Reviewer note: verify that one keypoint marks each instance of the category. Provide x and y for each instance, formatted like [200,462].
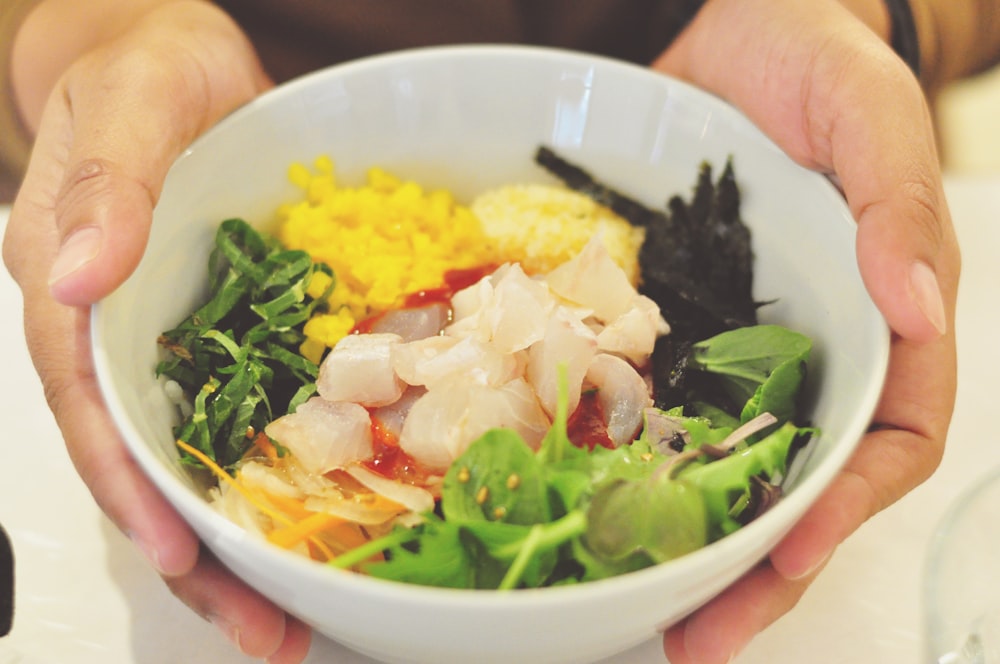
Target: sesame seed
[463,475]
[513,481]
[482,495]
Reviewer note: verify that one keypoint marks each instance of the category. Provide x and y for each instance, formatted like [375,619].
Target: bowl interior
[469,118]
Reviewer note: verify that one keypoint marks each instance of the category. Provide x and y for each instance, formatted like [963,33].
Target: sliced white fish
[568,343]
[411,360]
[591,279]
[391,416]
[466,305]
[443,422]
[634,333]
[413,323]
[507,309]
[622,393]
[359,369]
[519,310]
[324,435]
[435,359]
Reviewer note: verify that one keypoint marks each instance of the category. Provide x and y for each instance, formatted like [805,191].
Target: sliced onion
[413,498]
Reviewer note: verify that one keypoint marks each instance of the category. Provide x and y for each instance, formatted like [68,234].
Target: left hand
[835,97]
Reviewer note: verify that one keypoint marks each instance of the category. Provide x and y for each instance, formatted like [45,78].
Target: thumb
[114,125]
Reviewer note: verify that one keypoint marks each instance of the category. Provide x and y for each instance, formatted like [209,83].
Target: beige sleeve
[15,139]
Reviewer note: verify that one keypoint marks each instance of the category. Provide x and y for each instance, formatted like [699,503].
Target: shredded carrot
[314,523]
[249,495]
[350,536]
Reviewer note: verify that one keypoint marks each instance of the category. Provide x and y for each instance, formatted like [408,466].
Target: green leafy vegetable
[658,515]
[499,479]
[761,367]
[238,351]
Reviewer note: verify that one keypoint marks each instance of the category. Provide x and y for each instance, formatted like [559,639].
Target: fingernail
[228,629]
[148,552]
[78,249]
[927,294]
[809,570]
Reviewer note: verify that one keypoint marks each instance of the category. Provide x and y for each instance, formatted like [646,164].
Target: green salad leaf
[760,366]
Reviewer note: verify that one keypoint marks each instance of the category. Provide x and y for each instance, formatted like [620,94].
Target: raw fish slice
[633,334]
[324,435]
[391,416]
[569,343]
[507,309]
[435,359]
[413,323]
[519,310]
[623,395]
[358,369]
[443,422]
[593,280]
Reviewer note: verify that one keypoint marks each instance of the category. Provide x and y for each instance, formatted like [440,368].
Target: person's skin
[817,77]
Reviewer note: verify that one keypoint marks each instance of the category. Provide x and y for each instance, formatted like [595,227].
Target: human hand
[830,92]
[115,122]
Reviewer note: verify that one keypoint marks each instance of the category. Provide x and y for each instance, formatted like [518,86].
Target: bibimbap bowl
[467,119]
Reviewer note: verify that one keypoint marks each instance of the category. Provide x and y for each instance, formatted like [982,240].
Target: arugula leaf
[726,482]
[529,553]
[439,558]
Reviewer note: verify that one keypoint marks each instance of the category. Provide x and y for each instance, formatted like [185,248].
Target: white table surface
[85,596]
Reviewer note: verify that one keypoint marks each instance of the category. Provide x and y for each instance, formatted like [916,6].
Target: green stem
[524,555]
[359,554]
[541,537]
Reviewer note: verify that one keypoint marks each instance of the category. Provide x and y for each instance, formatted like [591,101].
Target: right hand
[113,125]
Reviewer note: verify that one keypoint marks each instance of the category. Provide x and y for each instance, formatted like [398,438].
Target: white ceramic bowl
[467,118]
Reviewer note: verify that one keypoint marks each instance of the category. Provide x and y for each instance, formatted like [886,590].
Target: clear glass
[962,583]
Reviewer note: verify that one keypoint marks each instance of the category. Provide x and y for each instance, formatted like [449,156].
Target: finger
[255,626]
[745,609]
[295,647]
[54,334]
[821,97]
[118,119]
[904,448]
